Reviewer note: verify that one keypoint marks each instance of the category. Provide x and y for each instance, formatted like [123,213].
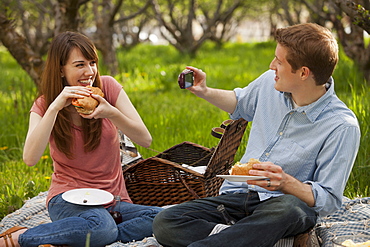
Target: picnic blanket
[351,219]
[34,213]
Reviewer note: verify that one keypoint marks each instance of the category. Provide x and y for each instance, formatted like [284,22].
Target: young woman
[84,149]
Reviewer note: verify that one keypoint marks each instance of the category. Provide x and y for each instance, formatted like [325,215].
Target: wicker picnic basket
[163,180]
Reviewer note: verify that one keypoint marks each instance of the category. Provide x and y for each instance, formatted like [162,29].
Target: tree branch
[359,15]
[140,11]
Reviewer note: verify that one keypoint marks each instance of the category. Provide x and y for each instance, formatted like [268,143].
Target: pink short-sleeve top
[101,168]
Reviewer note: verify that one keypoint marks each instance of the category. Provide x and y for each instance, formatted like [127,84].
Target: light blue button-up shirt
[317,143]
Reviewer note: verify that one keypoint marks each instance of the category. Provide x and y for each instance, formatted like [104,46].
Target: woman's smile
[86,82]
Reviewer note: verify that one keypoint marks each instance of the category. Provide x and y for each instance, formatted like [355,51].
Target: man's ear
[305,73]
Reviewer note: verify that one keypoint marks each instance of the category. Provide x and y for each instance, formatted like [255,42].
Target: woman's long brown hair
[52,85]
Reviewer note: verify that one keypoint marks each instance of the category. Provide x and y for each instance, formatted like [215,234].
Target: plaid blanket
[351,219]
[34,213]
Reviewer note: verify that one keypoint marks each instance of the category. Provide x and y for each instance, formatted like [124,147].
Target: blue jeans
[257,223]
[72,223]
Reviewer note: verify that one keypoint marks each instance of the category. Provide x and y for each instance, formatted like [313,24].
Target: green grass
[149,75]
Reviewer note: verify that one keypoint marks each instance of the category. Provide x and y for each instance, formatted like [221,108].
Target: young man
[304,136]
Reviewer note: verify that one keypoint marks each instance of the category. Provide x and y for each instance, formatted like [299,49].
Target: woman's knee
[103,235]
[101,226]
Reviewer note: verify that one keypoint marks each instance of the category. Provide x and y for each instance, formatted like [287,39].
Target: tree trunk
[66,19]
[105,45]
[67,16]
[103,37]
[354,14]
[20,50]
[353,42]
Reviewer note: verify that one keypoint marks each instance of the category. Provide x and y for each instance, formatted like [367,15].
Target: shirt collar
[314,109]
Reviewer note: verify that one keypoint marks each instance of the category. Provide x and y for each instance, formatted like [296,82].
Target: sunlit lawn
[149,75]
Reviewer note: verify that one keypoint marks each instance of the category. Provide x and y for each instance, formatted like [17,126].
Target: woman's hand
[68,93]
[103,110]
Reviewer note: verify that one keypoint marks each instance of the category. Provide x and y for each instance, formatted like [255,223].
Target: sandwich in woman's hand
[243,169]
[88,104]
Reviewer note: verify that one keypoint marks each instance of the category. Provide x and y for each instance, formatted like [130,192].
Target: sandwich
[88,104]
[244,168]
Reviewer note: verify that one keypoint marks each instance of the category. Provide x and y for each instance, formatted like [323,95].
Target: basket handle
[219,131]
[187,186]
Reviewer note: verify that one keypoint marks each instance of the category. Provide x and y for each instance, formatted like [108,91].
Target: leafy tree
[131,31]
[231,14]
[18,45]
[288,11]
[178,22]
[359,12]
[26,28]
[350,19]
[107,14]
[67,16]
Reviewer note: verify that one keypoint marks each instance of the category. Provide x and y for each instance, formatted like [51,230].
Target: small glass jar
[114,211]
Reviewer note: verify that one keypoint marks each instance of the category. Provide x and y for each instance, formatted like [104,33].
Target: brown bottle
[116,214]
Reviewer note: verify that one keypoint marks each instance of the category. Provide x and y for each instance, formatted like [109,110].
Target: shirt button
[281,133]
[267,154]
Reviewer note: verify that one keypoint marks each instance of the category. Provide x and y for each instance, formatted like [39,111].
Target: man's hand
[279,180]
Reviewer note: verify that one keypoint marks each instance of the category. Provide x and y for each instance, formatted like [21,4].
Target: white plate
[88,196]
[240,178]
